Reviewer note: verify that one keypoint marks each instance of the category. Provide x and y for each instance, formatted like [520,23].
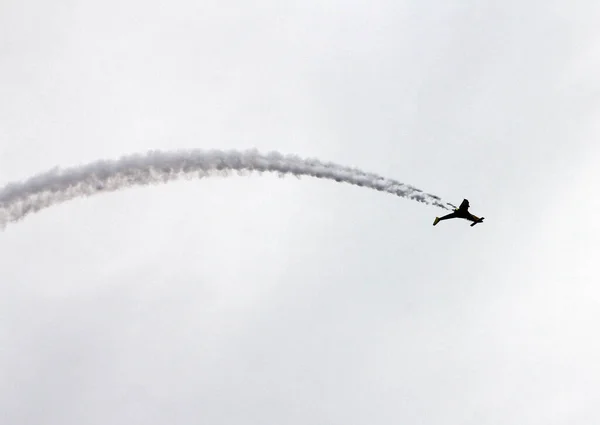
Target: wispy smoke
[17,200]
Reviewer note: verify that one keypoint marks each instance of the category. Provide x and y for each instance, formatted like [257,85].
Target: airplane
[461,212]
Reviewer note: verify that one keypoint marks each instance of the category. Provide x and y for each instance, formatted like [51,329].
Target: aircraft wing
[464,205]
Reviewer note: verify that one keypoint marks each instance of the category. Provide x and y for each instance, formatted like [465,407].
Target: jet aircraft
[461,212]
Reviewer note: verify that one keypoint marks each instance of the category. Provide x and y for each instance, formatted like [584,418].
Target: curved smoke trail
[17,200]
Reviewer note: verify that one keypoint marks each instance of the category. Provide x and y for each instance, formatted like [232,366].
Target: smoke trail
[17,200]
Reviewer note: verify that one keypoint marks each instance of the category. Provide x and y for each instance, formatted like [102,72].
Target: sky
[261,299]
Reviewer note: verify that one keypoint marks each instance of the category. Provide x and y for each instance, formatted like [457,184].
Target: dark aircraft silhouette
[461,212]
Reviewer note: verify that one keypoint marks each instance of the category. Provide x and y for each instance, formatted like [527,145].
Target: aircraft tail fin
[436,221]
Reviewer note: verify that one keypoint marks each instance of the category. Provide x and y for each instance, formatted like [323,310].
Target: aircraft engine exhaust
[19,199]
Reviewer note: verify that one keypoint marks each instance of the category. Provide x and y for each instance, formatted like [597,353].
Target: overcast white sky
[256,300]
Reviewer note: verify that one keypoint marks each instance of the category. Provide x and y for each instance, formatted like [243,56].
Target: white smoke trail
[17,200]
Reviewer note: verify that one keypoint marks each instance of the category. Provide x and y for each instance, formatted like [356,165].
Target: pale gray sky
[254,300]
